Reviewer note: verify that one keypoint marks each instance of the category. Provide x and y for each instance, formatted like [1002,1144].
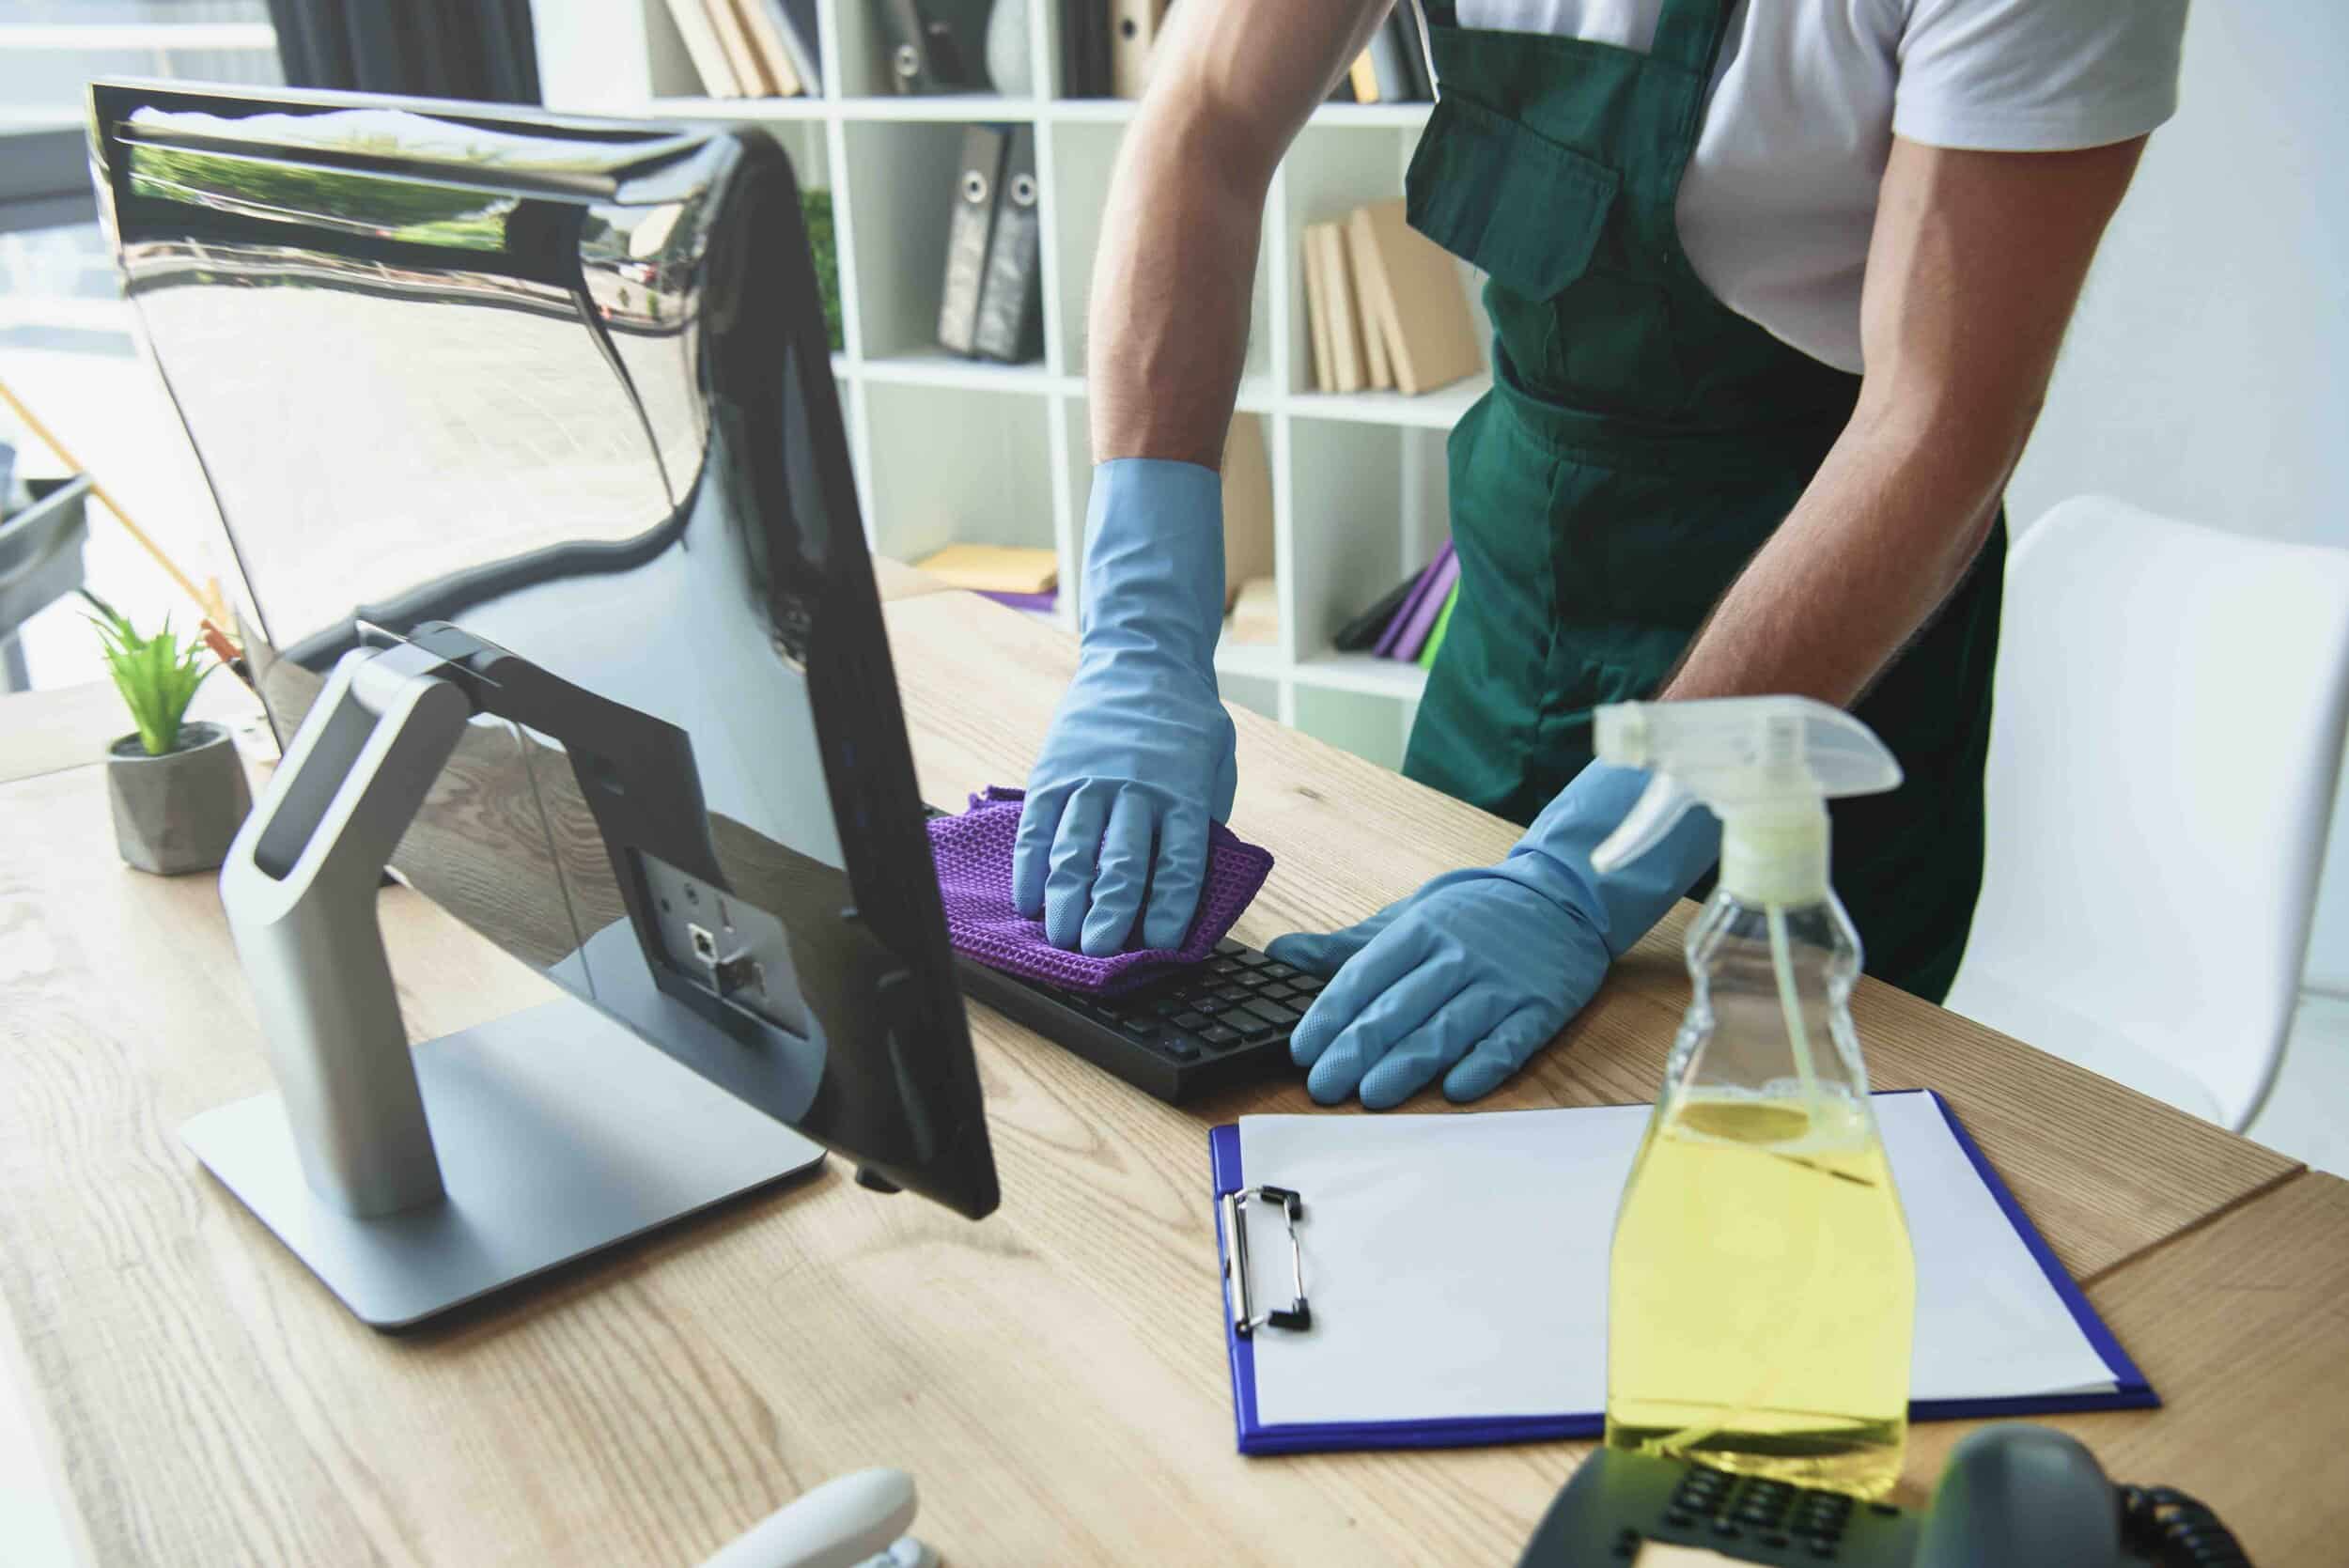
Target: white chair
[2167,734]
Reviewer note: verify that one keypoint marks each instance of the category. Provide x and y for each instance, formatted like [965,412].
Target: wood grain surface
[72,726]
[2104,1171]
[1053,1376]
[2240,1325]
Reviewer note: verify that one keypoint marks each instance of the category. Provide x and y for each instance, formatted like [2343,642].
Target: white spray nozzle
[1765,766]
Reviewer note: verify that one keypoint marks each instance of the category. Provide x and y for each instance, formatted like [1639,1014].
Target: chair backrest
[40,550]
[2168,729]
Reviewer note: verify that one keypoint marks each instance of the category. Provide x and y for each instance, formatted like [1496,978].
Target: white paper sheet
[1457,1266]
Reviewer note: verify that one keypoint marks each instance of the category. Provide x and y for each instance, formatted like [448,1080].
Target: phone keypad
[1775,1514]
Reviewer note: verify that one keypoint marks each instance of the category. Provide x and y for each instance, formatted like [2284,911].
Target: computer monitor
[524,433]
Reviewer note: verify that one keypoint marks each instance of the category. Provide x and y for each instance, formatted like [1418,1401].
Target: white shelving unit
[949,449]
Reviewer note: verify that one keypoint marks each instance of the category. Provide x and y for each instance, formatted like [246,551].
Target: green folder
[1435,634]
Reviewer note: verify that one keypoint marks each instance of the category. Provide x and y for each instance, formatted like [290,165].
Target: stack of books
[1255,618]
[1107,47]
[752,48]
[1394,68]
[1409,622]
[1387,306]
[1022,577]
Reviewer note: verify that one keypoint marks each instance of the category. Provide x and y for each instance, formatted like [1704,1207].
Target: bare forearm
[1168,328]
[1171,286]
[1975,264]
[1884,534]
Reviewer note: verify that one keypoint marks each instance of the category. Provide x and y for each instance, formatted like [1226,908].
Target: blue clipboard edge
[2131,1391]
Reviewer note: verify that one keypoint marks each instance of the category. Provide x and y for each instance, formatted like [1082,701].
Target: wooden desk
[72,726]
[1055,1377]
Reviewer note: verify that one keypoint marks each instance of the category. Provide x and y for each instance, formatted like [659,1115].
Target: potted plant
[177,788]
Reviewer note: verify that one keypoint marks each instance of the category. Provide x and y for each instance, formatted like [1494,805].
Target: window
[65,342]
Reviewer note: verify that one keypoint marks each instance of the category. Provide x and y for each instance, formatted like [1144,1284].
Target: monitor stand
[414,1182]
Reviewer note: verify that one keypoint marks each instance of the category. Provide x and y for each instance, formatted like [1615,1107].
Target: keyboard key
[1278,971]
[1285,995]
[1141,1029]
[1309,983]
[1211,1006]
[1166,1008]
[1228,948]
[1182,1047]
[1272,1013]
[1219,1037]
[1192,1022]
[1227,967]
[1229,993]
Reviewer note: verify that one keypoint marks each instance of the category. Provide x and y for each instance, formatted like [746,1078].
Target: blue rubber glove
[1480,968]
[1138,758]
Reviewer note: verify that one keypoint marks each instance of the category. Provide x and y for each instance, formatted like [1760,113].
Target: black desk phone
[2011,1497]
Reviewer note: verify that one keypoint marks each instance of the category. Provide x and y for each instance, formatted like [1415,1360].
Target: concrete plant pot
[177,812]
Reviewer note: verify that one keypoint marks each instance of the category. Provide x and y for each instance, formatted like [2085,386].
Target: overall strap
[1688,34]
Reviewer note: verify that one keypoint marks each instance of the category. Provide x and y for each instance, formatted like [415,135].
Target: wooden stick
[213,609]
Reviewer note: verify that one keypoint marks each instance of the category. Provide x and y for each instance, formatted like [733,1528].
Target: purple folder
[1045,600]
[1387,638]
[2130,1391]
[1422,619]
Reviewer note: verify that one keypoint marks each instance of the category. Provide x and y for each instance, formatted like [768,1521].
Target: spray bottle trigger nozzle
[1657,812]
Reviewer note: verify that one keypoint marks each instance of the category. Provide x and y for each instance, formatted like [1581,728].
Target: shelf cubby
[951,449]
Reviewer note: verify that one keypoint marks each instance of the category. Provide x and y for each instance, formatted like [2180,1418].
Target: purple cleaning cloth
[973,855]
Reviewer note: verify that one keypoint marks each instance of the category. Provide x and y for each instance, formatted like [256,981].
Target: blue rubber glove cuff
[1554,856]
[1112,844]
[1153,563]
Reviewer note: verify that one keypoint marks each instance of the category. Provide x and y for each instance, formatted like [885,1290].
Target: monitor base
[558,1132]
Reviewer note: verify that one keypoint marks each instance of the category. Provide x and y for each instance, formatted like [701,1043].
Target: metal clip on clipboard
[1246,1320]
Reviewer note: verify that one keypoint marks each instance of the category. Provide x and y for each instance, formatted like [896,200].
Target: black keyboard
[1224,1022]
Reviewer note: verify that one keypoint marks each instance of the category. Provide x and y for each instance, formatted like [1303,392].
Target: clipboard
[1250,1220]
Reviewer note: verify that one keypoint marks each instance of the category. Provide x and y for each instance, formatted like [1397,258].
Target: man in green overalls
[1776,289]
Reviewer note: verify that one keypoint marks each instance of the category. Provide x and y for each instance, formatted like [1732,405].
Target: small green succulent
[157,676]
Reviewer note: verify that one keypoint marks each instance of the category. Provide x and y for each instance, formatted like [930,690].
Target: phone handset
[2029,1497]
[2025,1497]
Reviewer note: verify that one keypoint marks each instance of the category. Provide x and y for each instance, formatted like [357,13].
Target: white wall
[2207,375]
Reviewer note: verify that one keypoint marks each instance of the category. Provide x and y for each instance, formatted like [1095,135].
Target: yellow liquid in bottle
[1762,1294]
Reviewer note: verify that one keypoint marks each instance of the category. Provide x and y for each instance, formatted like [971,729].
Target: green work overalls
[1640,443]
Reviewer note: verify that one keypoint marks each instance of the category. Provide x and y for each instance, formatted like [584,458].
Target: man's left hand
[1472,973]
[1480,968]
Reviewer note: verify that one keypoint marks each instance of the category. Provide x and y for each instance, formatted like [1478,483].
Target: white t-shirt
[1779,201]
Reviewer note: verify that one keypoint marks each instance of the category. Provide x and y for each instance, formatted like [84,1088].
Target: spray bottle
[1762,1293]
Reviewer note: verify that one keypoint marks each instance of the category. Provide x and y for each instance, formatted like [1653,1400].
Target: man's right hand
[1139,759]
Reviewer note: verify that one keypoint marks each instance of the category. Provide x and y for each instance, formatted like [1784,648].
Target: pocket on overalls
[1532,214]
[1518,207]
